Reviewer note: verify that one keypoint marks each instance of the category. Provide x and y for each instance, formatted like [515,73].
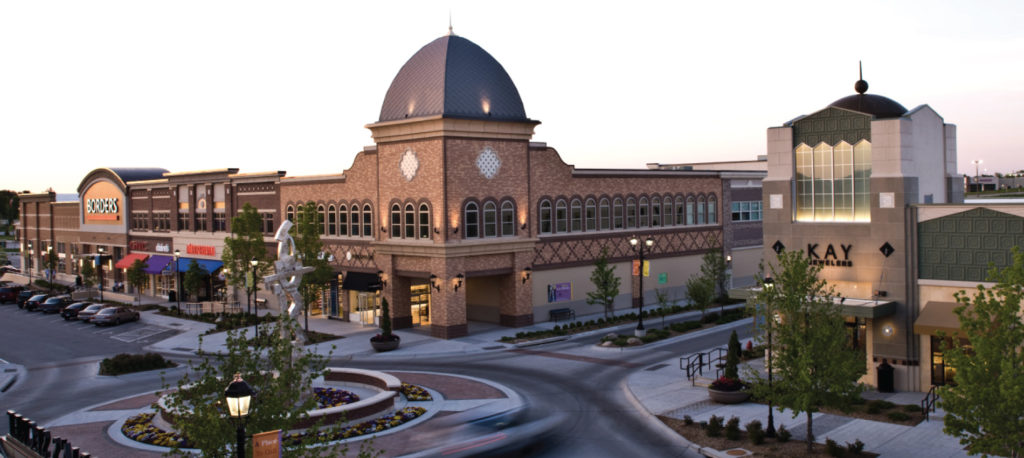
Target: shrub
[711,317]
[783,434]
[732,429]
[714,428]
[687,420]
[898,416]
[557,328]
[880,404]
[855,448]
[125,363]
[832,448]
[755,432]
[873,408]
[912,408]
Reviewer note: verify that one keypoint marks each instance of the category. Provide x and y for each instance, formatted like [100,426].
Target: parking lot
[31,338]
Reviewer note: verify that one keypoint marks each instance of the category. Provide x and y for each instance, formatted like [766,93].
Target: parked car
[87,313]
[9,269]
[71,312]
[115,315]
[24,296]
[9,293]
[33,302]
[55,304]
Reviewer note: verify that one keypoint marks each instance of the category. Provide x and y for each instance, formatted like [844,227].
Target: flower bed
[140,428]
[415,393]
[332,397]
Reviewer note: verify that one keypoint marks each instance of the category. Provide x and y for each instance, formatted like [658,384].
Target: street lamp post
[28,265]
[49,268]
[977,179]
[239,397]
[177,281]
[252,290]
[99,267]
[635,242]
[769,284]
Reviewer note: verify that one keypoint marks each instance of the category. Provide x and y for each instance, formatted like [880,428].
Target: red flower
[727,384]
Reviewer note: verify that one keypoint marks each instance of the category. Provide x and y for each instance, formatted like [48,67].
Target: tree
[813,365]
[701,292]
[9,208]
[310,249]
[50,261]
[245,244]
[714,269]
[732,360]
[984,407]
[606,284]
[89,274]
[195,278]
[138,278]
[283,387]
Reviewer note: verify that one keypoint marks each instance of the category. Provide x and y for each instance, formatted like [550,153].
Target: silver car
[115,315]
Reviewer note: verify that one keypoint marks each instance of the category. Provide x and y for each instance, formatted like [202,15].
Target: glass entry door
[367,308]
[419,299]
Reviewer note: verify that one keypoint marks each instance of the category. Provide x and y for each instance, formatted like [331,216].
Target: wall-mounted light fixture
[383,230]
[458,281]
[888,330]
[526,273]
[455,230]
[436,230]
[728,259]
[881,293]
[434,282]
[383,278]
[523,226]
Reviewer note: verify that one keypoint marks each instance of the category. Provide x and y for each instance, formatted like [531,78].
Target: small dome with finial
[878,106]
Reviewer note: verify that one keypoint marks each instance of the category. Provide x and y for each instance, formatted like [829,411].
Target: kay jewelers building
[852,185]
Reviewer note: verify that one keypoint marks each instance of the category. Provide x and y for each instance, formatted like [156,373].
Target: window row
[410,221]
[140,221]
[746,211]
[343,220]
[492,219]
[630,213]
[833,182]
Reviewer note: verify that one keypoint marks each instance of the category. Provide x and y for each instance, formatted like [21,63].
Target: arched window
[577,215]
[679,211]
[700,210]
[424,221]
[606,214]
[354,220]
[332,221]
[689,211]
[410,221]
[367,221]
[666,211]
[472,220]
[342,220]
[396,221]
[630,213]
[290,213]
[508,219]
[712,210]
[591,215]
[655,211]
[560,217]
[644,208]
[617,219]
[545,217]
[490,220]
[320,219]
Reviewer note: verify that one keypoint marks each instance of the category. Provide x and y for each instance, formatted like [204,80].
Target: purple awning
[156,264]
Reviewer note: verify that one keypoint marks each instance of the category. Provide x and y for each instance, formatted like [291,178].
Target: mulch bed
[770,447]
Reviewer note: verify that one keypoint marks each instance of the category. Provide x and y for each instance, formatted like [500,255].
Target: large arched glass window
[605,214]
[655,211]
[700,210]
[712,210]
[290,213]
[396,221]
[367,221]
[590,215]
[630,213]
[804,183]
[617,220]
[666,211]
[561,215]
[410,221]
[490,220]
[354,220]
[644,209]
[342,220]
[577,215]
[690,211]
[833,182]
[508,219]
[320,217]
[545,217]
[472,220]
[424,221]
[332,221]
[679,211]
[862,181]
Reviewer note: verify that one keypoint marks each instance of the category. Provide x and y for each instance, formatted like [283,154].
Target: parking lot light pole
[635,242]
[177,281]
[99,269]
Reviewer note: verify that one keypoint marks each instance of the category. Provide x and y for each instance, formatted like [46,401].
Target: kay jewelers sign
[828,255]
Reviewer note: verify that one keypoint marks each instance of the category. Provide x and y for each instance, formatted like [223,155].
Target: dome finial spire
[861,86]
[450,32]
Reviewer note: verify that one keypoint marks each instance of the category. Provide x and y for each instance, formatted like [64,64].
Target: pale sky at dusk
[194,85]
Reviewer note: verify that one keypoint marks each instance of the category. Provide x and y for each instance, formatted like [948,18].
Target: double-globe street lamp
[177,281]
[99,266]
[637,245]
[239,397]
[250,291]
[769,285]
[28,264]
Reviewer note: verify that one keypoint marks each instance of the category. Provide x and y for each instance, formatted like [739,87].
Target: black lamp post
[254,262]
[635,242]
[769,285]
[99,267]
[177,281]
[28,265]
[239,397]
[49,268]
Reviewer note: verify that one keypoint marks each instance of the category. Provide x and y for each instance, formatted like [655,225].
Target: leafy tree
[606,284]
[50,262]
[9,208]
[245,243]
[732,360]
[701,292]
[385,319]
[310,249]
[984,407]
[715,270]
[283,387]
[138,278]
[195,278]
[814,367]
[88,272]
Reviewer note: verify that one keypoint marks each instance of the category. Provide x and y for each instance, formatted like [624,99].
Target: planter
[385,345]
[728,397]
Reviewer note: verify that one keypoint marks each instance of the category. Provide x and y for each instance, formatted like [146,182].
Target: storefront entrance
[419,299]
[942,372]
[364,307]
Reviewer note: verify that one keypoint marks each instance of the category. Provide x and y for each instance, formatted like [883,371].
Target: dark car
[23,297]
[55,304]
[88,312]
[115,315]
[71,312]
[33,302]
[9,293]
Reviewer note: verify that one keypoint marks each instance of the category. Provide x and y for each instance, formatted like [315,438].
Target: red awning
[127,261]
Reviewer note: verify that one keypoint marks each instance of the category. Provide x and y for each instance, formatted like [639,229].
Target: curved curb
[662,428]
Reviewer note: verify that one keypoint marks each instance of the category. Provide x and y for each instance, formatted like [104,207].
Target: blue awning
[156,264]
[208,264]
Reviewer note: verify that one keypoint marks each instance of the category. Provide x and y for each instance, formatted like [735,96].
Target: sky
[197,85]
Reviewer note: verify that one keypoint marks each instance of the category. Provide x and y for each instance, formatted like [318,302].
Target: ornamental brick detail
[488,163]
[409,165]
[568,251]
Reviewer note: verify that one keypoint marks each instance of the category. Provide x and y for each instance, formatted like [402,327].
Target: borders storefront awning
[157,263]
[127,261]
[210,265]
[360,281]
[938,316]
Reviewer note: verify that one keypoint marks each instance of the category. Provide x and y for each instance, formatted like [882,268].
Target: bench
[562,314]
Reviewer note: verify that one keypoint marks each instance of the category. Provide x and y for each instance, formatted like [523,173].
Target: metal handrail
[696,363]
[928,403]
